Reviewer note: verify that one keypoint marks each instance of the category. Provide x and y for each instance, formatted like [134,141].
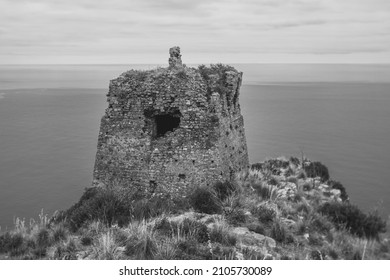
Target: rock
[323,187]
[288,190]
[249,238]
[335,192]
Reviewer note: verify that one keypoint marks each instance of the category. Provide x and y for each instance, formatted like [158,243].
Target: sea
[338,114]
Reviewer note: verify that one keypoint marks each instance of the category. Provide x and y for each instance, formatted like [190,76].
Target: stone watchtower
[172,129]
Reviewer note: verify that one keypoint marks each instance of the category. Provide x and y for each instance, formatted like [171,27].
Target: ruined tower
[172,129]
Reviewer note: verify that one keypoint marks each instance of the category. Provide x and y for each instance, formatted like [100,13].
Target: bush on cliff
[205,201]
[11,243]
[338,186]
[98,204]
[317,169]
[224,189]
[109,206]
[353,219]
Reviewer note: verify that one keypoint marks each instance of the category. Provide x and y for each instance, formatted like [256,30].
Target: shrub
[319,223]
[43,238]
[12,243]
[39,252]
[199,229]
[315,239]
[338,186]
[317,255]
[265,214]
[106,248]
[166,250]
[205,201]
[86,241]
[223,253]
[374,224]
[141,247]
[273,181]
[188,228]
[236,217]
[223,190]
[220,233]
[189,249]
[317,169]
[353,219]
[277,163]
[59,233]
[302,175]
[265,191]
[164,226]
[4,242]
[66,251]
[257,166]
[301,227]
[280,233]
[333,254]
[189,246]
[146,208]
[303,207]
[294,160]
[98,204]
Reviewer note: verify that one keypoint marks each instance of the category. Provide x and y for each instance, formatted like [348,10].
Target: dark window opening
[165,123]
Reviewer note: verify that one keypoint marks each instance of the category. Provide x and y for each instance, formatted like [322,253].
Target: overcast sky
[228,31]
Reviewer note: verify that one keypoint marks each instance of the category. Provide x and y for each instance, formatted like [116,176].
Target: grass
[205,200]
[106,248]
[141,243]
[249,219]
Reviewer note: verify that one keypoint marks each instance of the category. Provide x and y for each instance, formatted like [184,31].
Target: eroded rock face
[249,238]
[172,129]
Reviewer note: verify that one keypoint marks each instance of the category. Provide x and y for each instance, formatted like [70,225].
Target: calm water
[50,116]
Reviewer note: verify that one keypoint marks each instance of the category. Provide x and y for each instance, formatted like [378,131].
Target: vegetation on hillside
[279,209]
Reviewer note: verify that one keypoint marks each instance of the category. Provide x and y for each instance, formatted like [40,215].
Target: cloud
[53,30]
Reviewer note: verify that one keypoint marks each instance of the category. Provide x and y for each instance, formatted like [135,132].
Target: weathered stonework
[168,130]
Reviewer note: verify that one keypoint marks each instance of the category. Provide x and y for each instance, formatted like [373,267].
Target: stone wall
[171,129]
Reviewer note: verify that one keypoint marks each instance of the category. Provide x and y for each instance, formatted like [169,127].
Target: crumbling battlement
[168,130]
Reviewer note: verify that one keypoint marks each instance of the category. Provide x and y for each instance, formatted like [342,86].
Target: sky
[207,31]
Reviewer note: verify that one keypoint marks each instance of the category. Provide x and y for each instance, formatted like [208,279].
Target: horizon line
[200,63]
